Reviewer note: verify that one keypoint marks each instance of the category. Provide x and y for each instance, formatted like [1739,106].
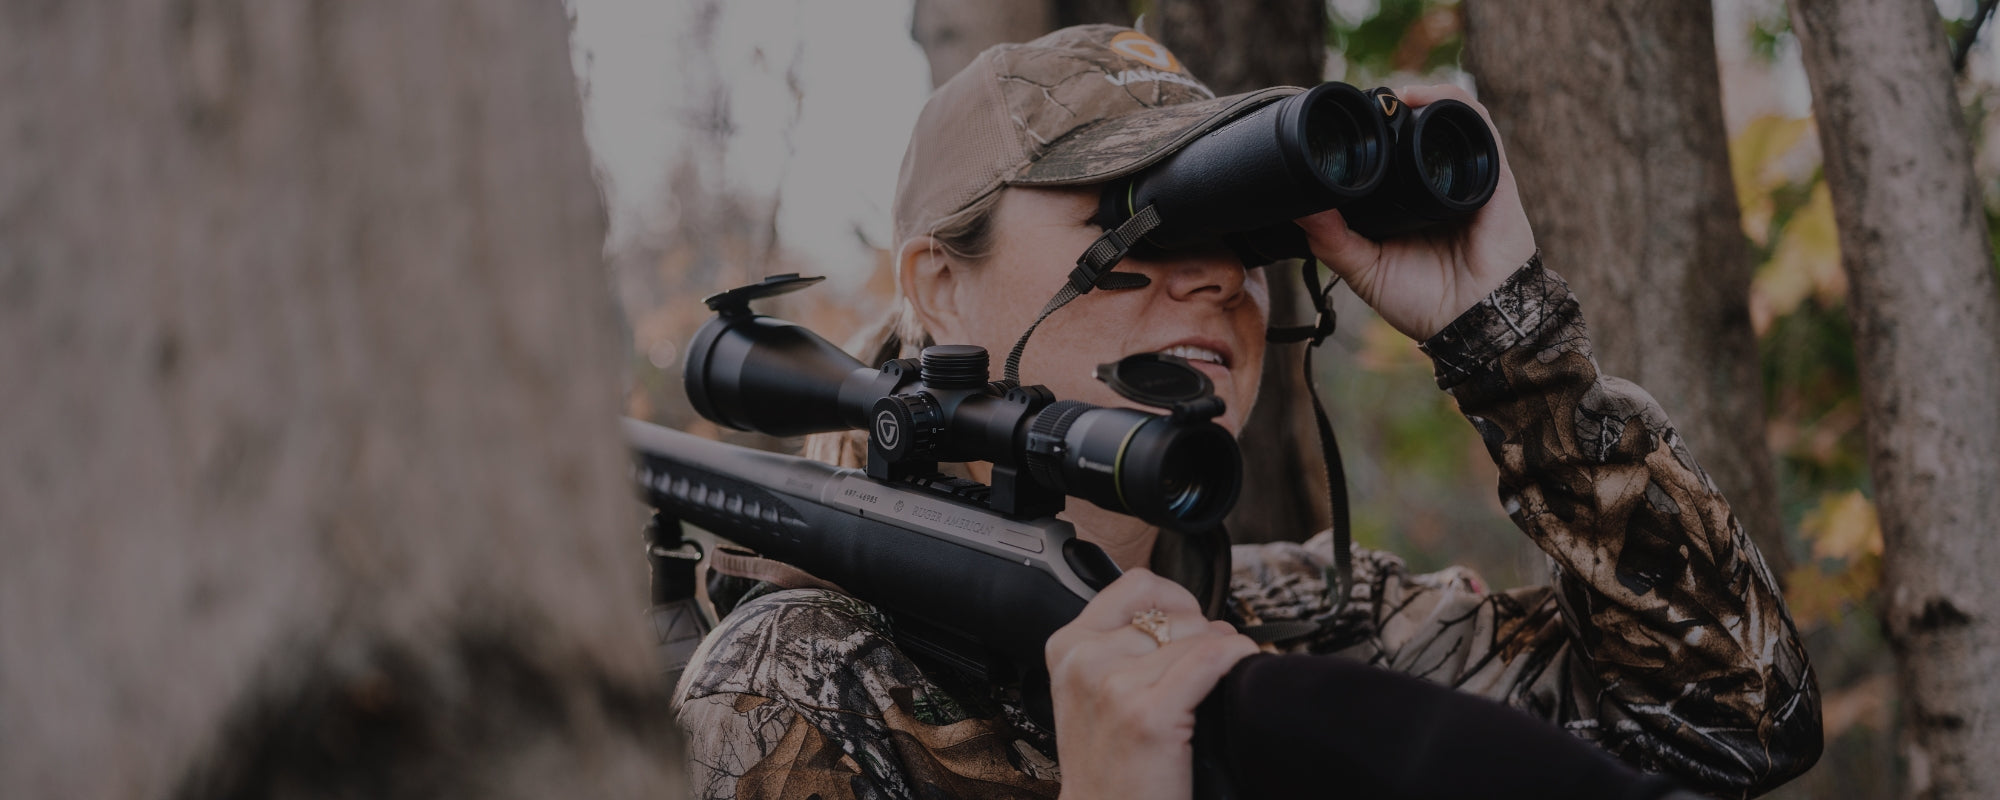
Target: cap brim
[1119,146]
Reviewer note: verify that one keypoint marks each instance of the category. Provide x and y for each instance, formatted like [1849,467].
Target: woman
[1662,638]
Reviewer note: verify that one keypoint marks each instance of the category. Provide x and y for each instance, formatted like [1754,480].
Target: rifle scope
[756,373]
[1389,168]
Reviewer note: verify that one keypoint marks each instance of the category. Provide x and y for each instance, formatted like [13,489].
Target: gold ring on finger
[1154,622]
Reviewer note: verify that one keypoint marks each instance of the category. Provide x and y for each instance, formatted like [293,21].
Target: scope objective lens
[1182,475]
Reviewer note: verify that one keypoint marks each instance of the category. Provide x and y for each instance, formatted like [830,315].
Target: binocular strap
[1093,271]
[1341,575]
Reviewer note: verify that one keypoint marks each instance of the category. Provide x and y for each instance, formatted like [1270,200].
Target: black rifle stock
[964,584]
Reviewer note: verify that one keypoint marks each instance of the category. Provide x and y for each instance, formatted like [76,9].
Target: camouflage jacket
[1662,635]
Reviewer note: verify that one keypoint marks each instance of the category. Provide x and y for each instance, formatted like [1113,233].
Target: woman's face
[1201,305]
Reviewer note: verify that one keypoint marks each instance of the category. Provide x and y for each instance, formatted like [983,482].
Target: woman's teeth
[1193,353]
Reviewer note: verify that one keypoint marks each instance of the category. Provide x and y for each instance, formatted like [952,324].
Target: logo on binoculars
[886,430]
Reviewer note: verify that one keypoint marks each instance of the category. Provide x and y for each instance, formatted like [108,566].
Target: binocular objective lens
[1338,148]
[1452,163]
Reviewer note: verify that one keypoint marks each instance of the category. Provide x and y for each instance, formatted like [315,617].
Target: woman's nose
[1195,275]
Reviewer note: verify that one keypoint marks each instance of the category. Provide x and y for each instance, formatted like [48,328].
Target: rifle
[977,576]
[976,589]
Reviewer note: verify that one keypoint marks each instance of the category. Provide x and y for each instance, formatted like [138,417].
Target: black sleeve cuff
[1530,302]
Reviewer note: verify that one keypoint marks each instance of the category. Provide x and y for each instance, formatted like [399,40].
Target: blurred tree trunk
[312,483]
[1612,117]
[953,32]
[1926,314]
[1233,49]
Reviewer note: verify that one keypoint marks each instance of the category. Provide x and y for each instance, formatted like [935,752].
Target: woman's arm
[1665,637]
[1680,654]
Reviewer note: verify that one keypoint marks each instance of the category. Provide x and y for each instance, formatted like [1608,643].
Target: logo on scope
[887,431]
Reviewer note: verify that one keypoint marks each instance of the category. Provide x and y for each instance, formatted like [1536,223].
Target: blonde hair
[965,236]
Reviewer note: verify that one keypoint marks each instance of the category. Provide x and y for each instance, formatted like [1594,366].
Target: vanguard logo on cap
[1142,47]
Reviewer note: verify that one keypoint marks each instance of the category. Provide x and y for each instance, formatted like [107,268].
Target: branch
[1971,34]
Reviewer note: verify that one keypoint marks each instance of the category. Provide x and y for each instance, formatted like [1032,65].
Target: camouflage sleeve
[802,694]
[1679,654]
[1663,637]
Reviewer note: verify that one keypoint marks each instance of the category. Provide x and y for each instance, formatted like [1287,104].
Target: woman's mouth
[1198,354]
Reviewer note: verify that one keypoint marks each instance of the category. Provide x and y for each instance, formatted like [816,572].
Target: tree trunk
[1233,49]
[953,32]
[1926,314]
[1237,49]
[311,484]
[1611,115]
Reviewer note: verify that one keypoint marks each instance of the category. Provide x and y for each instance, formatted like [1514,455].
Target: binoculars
[1390,169]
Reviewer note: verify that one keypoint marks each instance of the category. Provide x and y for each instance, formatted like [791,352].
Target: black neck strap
[1341,575]
[1093,271]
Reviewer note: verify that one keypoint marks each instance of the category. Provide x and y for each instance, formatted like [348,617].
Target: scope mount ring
[737,300]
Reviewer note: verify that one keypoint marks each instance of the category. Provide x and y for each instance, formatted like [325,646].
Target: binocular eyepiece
[1389,168]
[1180,470]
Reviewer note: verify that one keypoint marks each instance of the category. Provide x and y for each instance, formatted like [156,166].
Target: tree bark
[1611,115]
[1926,315]
[1234,48]
[312,483]
[1237,49]
[953,32]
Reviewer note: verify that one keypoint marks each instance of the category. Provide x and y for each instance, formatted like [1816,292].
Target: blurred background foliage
[1422,484]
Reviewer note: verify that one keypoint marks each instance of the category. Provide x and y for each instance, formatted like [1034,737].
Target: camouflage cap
[1079,106]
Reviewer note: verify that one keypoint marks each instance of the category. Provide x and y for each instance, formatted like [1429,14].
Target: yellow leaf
[1817,597]
[1844,526]
[1813,597]
[1805,264]
[1753,154]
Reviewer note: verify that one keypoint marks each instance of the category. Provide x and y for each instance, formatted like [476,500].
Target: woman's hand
[1420,283]
[1125,703]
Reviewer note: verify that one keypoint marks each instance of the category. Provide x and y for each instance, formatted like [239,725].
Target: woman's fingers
[1153,688]
[1347,253]
[1133,592]
[1192,674]
[1156,669]
[1124,701]
[1107,627]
